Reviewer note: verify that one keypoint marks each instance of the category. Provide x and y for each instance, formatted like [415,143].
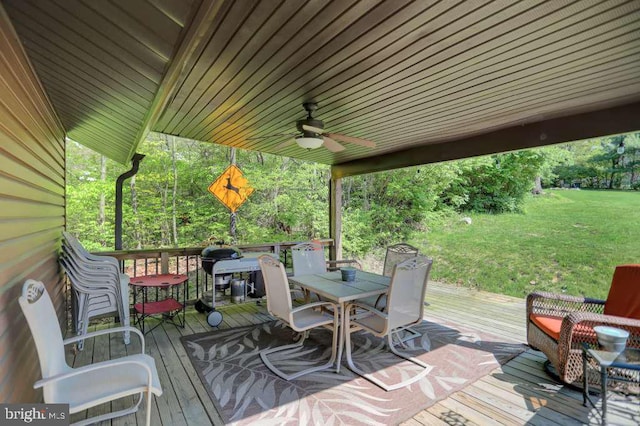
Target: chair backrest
[45,329]
[75,248]
[73,243]
[308,258]
[395,254]
[405,300]
[624,295]
[276,286]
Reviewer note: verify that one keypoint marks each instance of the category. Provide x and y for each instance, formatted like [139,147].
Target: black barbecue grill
[209,256]
[212,254]
[221,263]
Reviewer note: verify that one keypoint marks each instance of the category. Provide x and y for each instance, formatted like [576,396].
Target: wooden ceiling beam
[603,122]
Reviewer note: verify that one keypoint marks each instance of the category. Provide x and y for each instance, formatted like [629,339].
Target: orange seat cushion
[624,295]
[551,326]
[548,324]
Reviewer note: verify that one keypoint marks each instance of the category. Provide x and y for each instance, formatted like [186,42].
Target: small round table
[610,366]
[165,309]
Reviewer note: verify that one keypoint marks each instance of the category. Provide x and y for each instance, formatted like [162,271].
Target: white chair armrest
[107,331]
[314,305]
[367,308]
[98,366]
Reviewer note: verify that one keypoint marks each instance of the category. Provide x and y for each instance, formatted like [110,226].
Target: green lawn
[567,240]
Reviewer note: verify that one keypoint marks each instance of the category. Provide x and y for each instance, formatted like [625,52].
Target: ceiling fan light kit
[309,142]
[311,134]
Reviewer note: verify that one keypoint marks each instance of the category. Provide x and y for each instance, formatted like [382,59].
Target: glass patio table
[622,367]
[330,286]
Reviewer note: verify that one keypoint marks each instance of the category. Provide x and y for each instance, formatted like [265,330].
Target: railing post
[335,218]
[164,262]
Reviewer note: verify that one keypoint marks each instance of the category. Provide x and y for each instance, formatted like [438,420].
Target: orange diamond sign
[231,188]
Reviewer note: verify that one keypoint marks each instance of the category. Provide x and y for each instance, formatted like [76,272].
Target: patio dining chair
[300,319]
[90,385]
[558,324]
[308,258]
[395,254]
[404,309]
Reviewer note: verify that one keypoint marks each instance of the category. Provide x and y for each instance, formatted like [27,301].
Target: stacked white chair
[90,385]
[98,286]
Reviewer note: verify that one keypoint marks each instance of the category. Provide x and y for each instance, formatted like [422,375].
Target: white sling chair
[301,319]
[308,258]
[404,308]
[91,385]
[395,254]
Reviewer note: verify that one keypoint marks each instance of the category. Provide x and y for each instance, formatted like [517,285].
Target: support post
[232,216]
[135,163]
[335,218]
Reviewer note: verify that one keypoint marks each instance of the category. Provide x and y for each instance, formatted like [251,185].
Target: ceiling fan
[311,134]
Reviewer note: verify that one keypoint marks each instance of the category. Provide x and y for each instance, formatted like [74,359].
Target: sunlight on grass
[566,241]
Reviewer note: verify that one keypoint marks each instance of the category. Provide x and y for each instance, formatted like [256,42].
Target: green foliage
[290,201]
[555,158]
[563,241]
[386,207]
[498,183]
[597,164]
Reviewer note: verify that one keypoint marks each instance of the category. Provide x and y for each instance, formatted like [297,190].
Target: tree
[497,183]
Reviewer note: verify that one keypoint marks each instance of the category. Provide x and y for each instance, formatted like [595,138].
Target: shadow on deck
[519,392]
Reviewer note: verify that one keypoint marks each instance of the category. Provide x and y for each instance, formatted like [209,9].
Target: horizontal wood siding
[32,210]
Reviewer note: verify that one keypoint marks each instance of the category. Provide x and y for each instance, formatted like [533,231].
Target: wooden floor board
[191,375]
[519,392]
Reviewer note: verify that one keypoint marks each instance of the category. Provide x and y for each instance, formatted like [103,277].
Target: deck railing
[187,261]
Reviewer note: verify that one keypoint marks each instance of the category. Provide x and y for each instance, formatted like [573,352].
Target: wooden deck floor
[519,392]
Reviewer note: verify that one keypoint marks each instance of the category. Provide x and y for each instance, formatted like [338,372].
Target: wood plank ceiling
[101,62]
[401,73]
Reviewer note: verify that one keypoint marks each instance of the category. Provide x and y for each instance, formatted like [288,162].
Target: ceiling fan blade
[317,130]
[351,139]
[332,145]
[285,144]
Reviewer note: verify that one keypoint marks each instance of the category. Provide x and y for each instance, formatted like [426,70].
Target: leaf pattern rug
[246,392]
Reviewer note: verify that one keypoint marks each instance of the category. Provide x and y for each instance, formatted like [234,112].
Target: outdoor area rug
[247,392]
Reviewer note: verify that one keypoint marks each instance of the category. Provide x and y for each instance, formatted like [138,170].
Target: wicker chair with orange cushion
[558,324]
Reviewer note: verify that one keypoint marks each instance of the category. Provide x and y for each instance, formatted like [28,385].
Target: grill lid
[212,254]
